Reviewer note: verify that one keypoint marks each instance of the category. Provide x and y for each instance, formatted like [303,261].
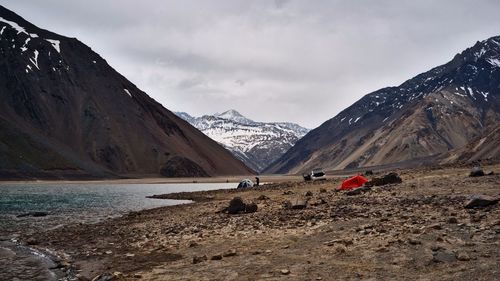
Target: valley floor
[416,230]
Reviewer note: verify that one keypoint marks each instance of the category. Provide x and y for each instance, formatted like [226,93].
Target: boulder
[476,172]
[480,201]
[389,178]
[236,205]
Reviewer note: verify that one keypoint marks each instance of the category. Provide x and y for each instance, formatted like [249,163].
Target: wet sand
[416,230]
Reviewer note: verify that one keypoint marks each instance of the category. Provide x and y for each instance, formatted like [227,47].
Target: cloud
[300,61]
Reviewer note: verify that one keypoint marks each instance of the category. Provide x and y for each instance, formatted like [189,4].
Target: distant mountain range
[65,113]
[257,144]
[453,108]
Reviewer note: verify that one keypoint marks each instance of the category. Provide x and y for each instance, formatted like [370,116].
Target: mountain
[257,144]
[437,111]
[66,113]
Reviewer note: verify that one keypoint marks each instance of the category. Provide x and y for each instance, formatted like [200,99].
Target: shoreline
[397,231]
[156,180]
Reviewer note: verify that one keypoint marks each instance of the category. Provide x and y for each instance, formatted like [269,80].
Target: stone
[308,194]
[199,259]
[263,197]
[358,191]
[453,220]
[462,256]
[251,208]
[285,271]
[236,205]
[216,257]
[443,257]
[389,178]
[33,214]
[476,172]
[296,203]
[480,201]
[322,190]
[31,241]
[414,241]
[230,253]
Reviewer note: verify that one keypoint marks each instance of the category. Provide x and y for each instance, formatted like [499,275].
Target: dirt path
[417,230]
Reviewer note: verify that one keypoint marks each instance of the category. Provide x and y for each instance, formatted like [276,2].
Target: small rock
[296,203]
[443,257]
[462,256]
[414,241]
[340,249]
[358,191]
[322,190]
[263,197]
[288,192]
[480,201]
[129,255]
[285,271]
[31,241]
[192,244]
[230,253]
[199,259]
[108,252]
[453,220]
[308,194]
[216,257]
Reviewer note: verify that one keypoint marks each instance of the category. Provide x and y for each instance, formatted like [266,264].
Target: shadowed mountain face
[432,113]
[66,113]
[257,144]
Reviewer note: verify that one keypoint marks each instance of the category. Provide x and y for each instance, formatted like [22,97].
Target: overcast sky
[299,61]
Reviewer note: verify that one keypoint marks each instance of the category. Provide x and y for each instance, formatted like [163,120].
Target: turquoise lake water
[66,203]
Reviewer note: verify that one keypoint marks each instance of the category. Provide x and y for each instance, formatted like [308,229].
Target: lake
[77,202]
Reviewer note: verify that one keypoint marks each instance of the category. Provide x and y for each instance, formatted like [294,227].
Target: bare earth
[416,230]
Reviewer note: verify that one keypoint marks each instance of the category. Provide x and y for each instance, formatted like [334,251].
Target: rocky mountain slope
[432,113]
[66,113]
[257,144]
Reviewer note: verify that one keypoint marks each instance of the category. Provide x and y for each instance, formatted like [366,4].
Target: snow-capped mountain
[66,113]
[257,144]
[435,112]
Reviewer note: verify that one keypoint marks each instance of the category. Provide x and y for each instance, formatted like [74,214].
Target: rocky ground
[415,230]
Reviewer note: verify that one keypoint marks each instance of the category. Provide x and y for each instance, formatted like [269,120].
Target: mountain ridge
[432,113]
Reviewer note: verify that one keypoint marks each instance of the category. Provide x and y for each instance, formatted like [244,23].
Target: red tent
[353,182]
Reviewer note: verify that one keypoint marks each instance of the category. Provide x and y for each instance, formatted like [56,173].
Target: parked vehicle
[315,175]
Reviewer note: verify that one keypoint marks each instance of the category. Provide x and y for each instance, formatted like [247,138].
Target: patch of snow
[385,119]
[94,61]
[485,95]
[357,119]
[480,53]
[1,31]
[494,62]
[350,121]
[24,48]
[14,25]
[127,92]
[55,44]
[34,60]
[17,27]
[342,119]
